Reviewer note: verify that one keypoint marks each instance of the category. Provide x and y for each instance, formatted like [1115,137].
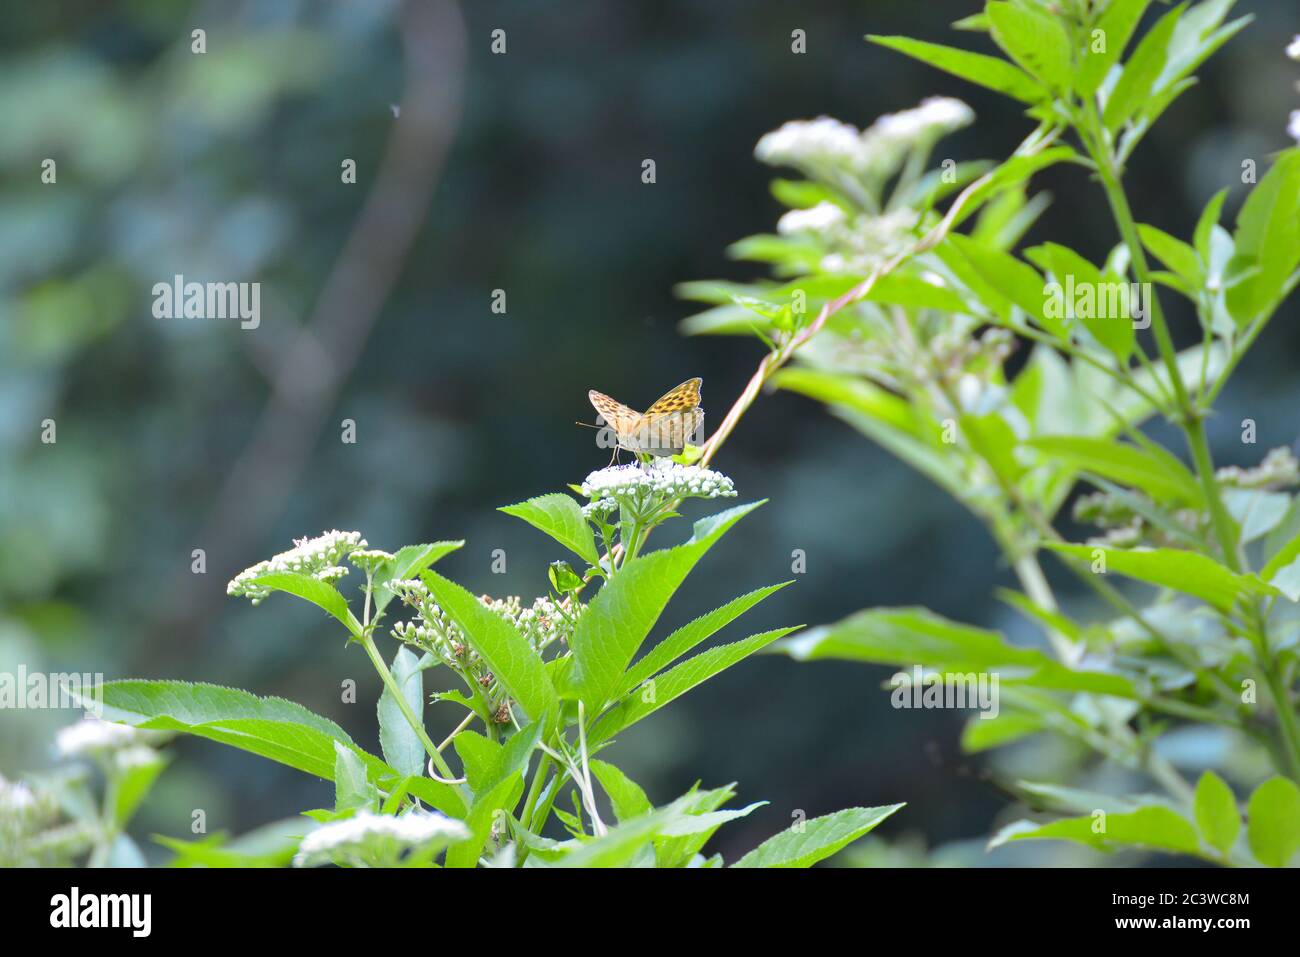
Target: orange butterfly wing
[684,398]
[616,415]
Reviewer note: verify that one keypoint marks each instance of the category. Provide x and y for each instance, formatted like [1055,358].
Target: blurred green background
[519,172]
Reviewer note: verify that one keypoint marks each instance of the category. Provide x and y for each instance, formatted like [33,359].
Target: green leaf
[1161,476]
[559,516]
[319,593]
[680,840]
[986,71]
[806,843]
[1174,253]
[1188,572]
[983,734]
[478,756]
[916,636]
[1154,827]
[677,681]
[618,619]
[690,635]
[507,653]
[397,739]
[1116,25]
[1141,72]
[482,815]
[352,787]
[272,845]
[1015,281]
[271,727]
[1205,225]
[625,795]
[1216,812]
[1069,269]
[1036,40]
[406,564]
[134,781]
[1273,822]
[1268,232]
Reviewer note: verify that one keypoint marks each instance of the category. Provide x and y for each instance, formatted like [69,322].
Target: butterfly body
[663,429]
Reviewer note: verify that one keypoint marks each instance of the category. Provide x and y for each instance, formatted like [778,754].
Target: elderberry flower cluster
[542,623]
[636,489]
[826,148]
[318,557]
[31,834]
[377,840]
[1279,469]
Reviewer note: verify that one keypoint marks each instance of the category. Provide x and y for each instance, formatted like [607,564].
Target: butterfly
[663,429]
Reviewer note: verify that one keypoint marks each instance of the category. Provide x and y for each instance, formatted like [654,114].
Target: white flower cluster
[811,143]
[318,557]
[16,799]
[92,737]
[828,145]
[600,509]
[662,481]
[1293,126]
[935,117]
[368,838]
[369,559]
[542,622]
[821,218]
[871,241]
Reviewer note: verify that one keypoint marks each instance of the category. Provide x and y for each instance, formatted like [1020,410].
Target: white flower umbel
[662,479]
[317,557]
[934,118]
[821,218]
[1293,51]
[1293,127]
[811,144]
[377,840]
[92,737]
[826,147]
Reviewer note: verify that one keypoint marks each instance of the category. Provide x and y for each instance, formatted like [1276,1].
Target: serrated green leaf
[1268,234]
[1154,827]
[806,843]
[916,636]
[625,795]
[352,787]
[986,71]
[559,516]
[678,680]
[507,653]
[618,619]
[319,593]
[1141,72]
[1188,572]
[690,635]
[1035,39]
[1162,477]
[1116,28]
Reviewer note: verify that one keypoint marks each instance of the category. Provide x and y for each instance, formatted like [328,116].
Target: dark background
[226,166]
